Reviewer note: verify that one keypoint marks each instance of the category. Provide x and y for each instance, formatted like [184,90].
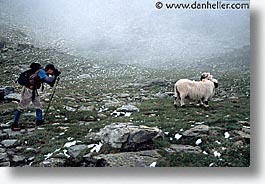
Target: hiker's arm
[49,80]
[45,78]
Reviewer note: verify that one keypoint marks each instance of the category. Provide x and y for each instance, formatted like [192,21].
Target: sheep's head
[208,76]
[215,82]
[205,75]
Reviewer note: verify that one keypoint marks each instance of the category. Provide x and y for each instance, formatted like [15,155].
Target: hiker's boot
[15,126]
[39,120]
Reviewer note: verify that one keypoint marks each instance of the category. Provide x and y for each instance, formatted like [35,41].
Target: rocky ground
[114,115]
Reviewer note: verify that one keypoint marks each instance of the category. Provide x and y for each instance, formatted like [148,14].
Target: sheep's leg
[201,103]
[182,104]
[175,101]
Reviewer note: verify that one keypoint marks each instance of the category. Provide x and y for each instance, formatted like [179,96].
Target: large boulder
[126,159]
[126,136]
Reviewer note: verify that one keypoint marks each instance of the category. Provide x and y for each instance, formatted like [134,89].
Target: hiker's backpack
[30,77]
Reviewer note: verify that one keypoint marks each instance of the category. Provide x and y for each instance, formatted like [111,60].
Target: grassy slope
[108,78]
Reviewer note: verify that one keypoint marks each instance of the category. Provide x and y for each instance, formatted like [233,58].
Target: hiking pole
[54,89]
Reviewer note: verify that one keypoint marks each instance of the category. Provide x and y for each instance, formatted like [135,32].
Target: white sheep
[196,91]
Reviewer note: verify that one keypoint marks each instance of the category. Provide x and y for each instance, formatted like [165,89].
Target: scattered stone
[3,135]
[2,150]
[13,97]
[53,162]
[217,99]
[69,98]
[170,93]
[155,82]
[89,108]
[4,91]
[11,133]
[127,136]
[93,136]
[71,109]
[4,164]
[4,157]
[110,104]
[127,159]
[159,95]
[128,108]
[246,123]
[183,148]
[18,158]
[197,130]
[21,47]
[74,151]
[213,133]
[10,143]
[7,111]
[243,135]
[238,143]
[124,95]
[102,116]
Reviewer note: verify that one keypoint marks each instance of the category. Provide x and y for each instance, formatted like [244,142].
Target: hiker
[32,80]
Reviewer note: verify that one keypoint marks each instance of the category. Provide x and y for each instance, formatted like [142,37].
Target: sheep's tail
[177,95]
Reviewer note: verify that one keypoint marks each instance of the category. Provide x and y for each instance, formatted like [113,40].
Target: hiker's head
[35,66]
[49,69]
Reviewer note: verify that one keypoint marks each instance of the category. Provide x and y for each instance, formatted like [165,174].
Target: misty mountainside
[128,32]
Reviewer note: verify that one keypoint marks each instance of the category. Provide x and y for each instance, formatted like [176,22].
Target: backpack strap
[33,89]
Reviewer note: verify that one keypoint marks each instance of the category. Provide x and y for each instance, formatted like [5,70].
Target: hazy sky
[128,30]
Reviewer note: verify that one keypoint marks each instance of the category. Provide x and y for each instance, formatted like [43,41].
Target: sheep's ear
[215,84]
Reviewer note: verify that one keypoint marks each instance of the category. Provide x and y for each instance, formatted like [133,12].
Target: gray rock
[3,135]
[159,95]
[243,135]
[156,82]
[53,162]
[110,104]
[246,123]
[170,93]
[127,136]
[4,91]
[10,143]
[128,108]
[74,151]
[4,164]
[197,130]
[71,109]
[13,97]
[89,108]
[183,148]
[18,158]
[7,111]
[124,95]
[2,150]
[238,143]
[93,136]
[102,116]
[4,157]
[128,159]
[12,134]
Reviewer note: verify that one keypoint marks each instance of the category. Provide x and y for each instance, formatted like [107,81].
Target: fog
[127,31]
